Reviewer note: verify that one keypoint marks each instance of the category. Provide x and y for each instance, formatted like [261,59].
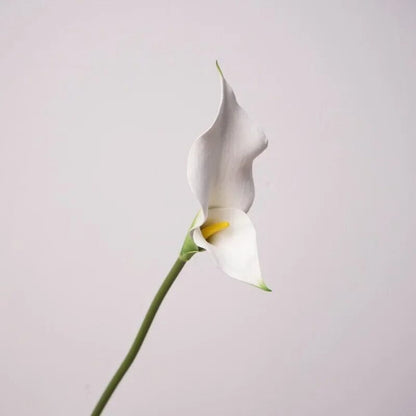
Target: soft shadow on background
[100,102]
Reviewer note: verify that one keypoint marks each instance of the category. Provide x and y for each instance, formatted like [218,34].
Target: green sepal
[189,248]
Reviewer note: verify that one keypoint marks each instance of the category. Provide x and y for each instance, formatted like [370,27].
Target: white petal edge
[235,248]
[220,161]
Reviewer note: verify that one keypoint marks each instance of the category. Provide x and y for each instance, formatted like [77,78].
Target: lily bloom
[220,175]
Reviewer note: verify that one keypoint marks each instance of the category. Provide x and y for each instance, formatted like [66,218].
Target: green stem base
[138,341]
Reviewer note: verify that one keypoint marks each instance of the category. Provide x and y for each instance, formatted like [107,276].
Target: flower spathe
[220,175]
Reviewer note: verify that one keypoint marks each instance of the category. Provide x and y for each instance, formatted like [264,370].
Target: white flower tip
[263,286]
[219,69]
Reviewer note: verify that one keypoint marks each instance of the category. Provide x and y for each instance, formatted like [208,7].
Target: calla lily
[220,175]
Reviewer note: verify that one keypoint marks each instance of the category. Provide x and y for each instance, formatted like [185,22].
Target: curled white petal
[220,161]
[235,248]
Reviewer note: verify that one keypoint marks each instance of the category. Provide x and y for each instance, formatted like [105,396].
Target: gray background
[100,102]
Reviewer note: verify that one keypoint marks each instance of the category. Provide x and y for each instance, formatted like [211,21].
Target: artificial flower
[220,175]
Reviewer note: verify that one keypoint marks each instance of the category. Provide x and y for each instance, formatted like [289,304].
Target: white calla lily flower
[220,175]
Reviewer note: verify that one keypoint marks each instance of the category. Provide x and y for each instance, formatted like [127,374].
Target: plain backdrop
[99,104]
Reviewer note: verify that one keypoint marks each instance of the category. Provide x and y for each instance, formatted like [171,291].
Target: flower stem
[138,341]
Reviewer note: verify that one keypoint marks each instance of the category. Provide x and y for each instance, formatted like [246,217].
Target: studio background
[100,102]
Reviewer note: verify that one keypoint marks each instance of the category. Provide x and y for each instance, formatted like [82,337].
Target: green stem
[138,341]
